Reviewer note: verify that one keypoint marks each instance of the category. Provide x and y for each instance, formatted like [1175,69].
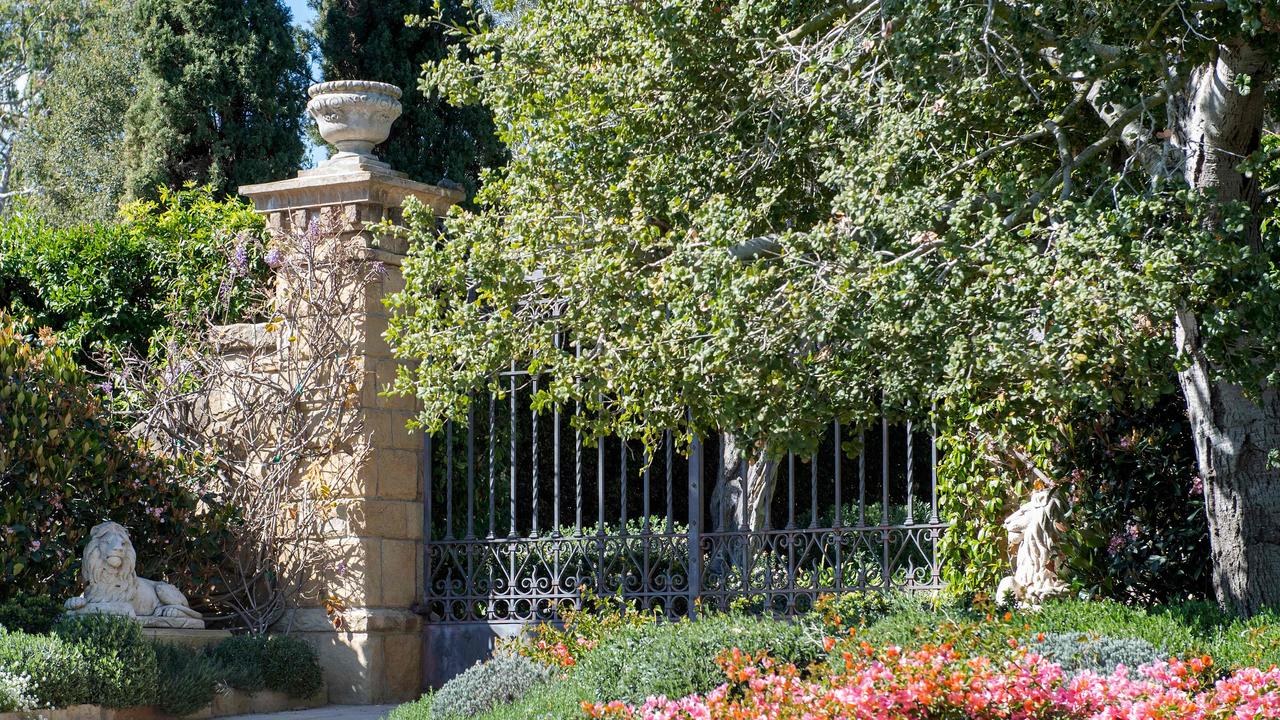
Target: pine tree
[221,96]
[369,40]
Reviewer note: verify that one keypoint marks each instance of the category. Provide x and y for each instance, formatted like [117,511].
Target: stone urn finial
[354,116]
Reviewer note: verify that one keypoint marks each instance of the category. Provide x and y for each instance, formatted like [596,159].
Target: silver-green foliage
[1076,652]
[499,681]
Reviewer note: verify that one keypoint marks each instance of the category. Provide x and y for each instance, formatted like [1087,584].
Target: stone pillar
[377,656]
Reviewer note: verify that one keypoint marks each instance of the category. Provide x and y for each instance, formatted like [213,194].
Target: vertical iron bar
[427,478]
[936,569]
[600,486]
[670,498]
[744,520]
[838,459]
[577,474]
[493,431]
[648,464]
[813,491]
[695,525]
[555,472]
[448,480]
[791,490]
[471,469]
[533,432]
[622,462]
[512,460]
[884,500]
[933,467]
[910,470]
[862,479]
[839,538]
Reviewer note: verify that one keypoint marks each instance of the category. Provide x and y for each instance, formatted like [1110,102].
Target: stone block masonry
[376,656]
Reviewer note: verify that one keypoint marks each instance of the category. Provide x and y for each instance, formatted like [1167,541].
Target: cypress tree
[221,97]
[369,40]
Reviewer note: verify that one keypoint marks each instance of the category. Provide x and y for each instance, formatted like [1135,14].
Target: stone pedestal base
[375,658]
[189,637]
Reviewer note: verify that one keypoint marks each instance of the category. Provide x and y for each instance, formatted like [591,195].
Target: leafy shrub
[59,673]
[678,658]
[289,665]
[499,681]
[241,659]
[582,628]
[125,672]
[15,693]
[34,614]
[188,678]
[1101,654]
[123,284]
[64,468]
[1137,531]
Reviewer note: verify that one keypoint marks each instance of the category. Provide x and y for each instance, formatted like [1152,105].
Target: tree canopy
[220,98]
[755,216]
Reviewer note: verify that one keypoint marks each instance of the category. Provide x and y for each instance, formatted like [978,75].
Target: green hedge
[105,660]
[124,283]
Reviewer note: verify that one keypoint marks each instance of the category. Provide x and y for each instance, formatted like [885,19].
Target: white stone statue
[113,588]
[1033,531]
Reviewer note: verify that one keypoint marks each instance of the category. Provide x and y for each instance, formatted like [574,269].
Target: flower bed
[938,682]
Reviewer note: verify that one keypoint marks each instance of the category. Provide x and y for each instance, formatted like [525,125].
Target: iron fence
[521,511]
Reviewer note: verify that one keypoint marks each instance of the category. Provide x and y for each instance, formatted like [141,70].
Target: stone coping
[322,189]
[226,703]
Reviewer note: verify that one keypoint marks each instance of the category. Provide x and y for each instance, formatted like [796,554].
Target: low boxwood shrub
[289,665]
[59,673]
[240,657]
[125,672]
[34,614]
[499,681]
[188,679]
[1079,651]
[678,658]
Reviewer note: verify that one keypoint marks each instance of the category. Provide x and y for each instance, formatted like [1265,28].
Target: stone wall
[376,655]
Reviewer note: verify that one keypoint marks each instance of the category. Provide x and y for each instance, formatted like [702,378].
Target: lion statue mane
[1033,533]
[112,586]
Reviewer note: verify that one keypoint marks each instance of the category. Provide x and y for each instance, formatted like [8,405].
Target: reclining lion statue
[112,587]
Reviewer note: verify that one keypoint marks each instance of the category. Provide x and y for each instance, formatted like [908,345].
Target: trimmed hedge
[106,660]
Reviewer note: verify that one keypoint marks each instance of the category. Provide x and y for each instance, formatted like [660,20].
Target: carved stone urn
[354,116]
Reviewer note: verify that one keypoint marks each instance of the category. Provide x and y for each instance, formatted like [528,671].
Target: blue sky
[303,15]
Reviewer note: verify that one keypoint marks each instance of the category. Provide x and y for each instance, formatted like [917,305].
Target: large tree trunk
[1234,427]
[743,491]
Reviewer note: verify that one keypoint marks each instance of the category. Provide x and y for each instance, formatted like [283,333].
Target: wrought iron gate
[521,512]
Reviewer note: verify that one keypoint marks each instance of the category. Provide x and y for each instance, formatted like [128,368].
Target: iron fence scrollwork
[515,551]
